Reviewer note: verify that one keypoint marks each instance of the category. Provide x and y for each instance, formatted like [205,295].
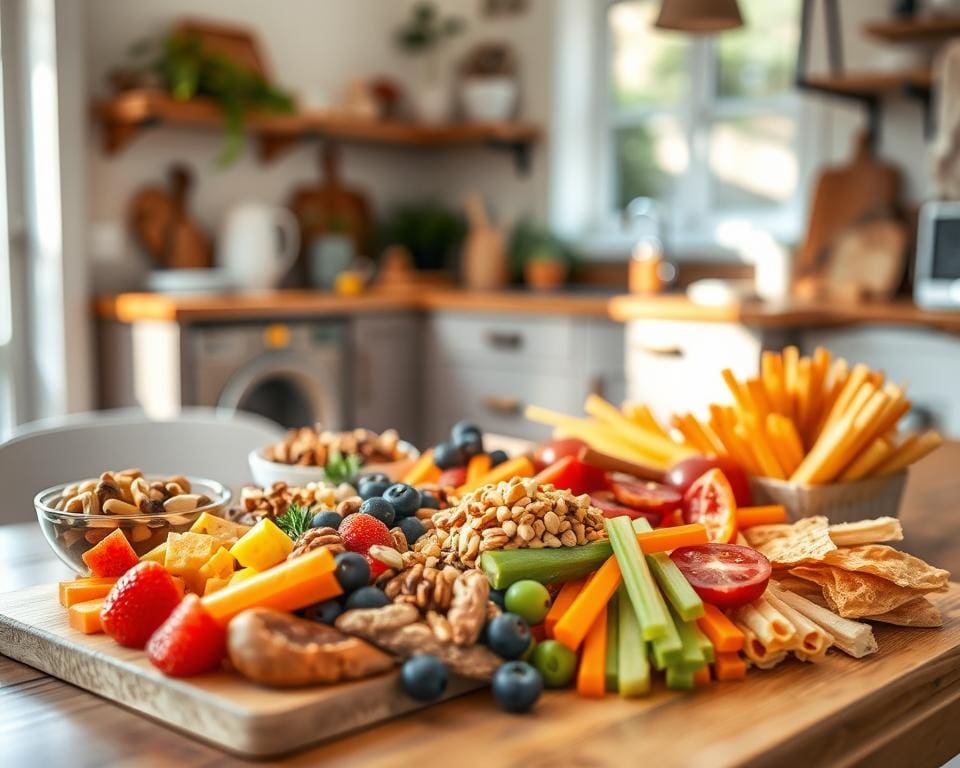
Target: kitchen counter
[791,314]
[134,307]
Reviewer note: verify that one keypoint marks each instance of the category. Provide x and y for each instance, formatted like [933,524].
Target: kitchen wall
[314,48]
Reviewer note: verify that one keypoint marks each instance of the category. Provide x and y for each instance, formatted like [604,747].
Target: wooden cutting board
[220,708]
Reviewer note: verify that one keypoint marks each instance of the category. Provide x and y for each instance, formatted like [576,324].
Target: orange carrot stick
[592,675]
[591,602]
[722,632]
[85,617]
[701,677]
[561,603]
[83,589]
[520,466]
[423,470]
[477,467]
[551,473]
[665,539]
[770,514]
[729,666]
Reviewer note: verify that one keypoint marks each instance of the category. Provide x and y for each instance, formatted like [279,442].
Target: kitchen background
[668,155]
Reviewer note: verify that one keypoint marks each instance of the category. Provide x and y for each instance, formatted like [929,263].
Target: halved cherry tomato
[569,473]
[656,500]
[682,475]
[552,450]
[710,501]
[455,476]
[605,502]
[724,575]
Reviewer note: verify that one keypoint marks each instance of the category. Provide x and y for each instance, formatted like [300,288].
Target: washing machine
[295,373]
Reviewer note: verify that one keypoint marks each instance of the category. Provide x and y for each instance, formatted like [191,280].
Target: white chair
[203,442]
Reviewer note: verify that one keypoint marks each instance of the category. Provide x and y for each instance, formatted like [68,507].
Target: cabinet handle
[504,339]
[647,349]
[502,406]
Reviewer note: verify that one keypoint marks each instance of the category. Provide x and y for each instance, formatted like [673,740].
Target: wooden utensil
[871,255]
[161,223]
[844,195]
[484,261]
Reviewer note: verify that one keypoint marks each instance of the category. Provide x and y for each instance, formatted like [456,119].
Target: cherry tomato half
[606,503]
[724,575]
[683,473]
[710,501]
[647,496]
[549,452]
[569,473]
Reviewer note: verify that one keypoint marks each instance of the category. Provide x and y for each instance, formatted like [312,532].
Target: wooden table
[47,722]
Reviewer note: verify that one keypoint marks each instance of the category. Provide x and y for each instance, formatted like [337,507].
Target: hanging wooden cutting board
[844,195]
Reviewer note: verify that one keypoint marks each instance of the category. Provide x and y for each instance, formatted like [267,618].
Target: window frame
[694,228]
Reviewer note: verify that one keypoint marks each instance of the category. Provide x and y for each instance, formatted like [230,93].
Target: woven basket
[838,502]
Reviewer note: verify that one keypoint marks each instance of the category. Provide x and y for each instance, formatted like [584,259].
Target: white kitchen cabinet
[927,361]
[386,376]
[487,368]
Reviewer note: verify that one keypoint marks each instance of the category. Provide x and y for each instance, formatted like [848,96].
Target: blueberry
[429,501]
[379,508]
[374,477]
[517,686]
[372,489]
[323,613]
[470,442]
[366,597]
[327,519]
[498,457]
[404,498]
[353,571]
[448,456]
[423,677]
[463,426]
[412,529]
[499,596]
[508,636]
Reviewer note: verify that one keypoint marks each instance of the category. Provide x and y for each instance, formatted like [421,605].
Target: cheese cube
[220,565]
[262,546]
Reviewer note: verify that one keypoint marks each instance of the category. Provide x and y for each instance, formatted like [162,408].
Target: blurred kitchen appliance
[258,244]
[936,280]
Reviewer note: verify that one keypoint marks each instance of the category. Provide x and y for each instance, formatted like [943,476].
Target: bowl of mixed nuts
[312,455]
[76,516]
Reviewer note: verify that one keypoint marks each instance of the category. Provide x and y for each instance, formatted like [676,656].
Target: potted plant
[541,257]
[488,88]
[423,35]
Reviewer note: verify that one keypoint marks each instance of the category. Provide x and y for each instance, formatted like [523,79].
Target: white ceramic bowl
[266,473]
[489,99]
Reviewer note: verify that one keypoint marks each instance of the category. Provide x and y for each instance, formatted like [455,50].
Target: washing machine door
[281,387]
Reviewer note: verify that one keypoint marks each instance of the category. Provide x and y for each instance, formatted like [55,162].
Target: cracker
[758,535]
[891,564]
[808,540]
[866,532]
[918,612]
[852,594]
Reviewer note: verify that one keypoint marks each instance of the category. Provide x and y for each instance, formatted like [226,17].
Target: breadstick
[869,459]
[803,394]
[813,640]
[910,451]
[756,442]
[850,388]
[791,356]
[771,371]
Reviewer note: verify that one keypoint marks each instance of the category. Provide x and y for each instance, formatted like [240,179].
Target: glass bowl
[70,534]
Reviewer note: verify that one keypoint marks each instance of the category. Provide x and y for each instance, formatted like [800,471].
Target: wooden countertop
[791,314]
[133,307]
[907,722]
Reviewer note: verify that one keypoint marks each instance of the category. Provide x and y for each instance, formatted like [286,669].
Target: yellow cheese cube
[187,552]
[220,565]
[243,574]
[221,529]
[213,584]
[262,546]
[158,554]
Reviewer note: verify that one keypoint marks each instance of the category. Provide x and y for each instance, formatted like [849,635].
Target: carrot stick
[589,603]
[666,539]
[722,632]
[701,678]
[592,675]
[477,467]
[770,514]
[423,470]
[520,466]
[641,415]
[729,666]
[791,358]
[561,603]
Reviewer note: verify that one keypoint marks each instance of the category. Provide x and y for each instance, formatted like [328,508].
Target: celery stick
[633,669]
[636,575]
[680,678]
[675,586]
[505,566]
[667,650]
[692,656]
[613,643]
[706,647]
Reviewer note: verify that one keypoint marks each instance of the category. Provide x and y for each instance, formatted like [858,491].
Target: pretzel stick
[911,451]
[866,463]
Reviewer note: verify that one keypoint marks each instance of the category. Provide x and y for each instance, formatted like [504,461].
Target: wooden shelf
[871,84]
[914,30]
[128,114]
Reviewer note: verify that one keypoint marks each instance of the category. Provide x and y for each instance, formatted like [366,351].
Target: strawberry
[190,642]
[139,602]
[360,531]
[455,476]
[376,567]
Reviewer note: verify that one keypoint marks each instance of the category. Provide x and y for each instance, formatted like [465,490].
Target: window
[706,126]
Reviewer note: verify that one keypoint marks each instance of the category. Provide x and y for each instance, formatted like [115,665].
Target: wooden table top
[46,720]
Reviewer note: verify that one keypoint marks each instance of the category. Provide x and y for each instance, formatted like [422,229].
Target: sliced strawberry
[190,642]
[376,567]
[139,602]
[112,556]
[360,531]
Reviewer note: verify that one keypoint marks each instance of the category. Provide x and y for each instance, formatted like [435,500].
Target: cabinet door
[927,361]
[386,373]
